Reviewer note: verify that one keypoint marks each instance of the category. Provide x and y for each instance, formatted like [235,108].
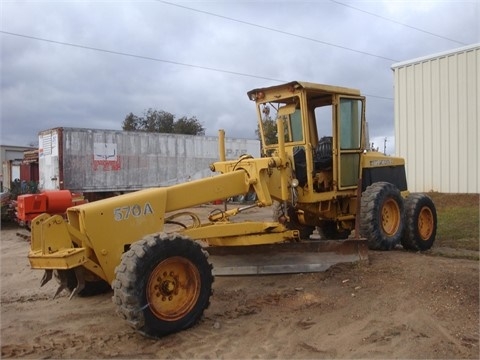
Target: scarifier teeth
[75,291]
[59,290]
[61,277]
[47,276]
[80,282]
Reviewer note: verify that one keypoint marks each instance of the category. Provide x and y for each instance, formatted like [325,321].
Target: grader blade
[284,258]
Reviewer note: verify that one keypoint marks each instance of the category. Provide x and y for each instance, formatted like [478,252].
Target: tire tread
[127,291]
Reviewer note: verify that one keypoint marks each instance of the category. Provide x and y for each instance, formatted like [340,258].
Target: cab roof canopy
[319,88]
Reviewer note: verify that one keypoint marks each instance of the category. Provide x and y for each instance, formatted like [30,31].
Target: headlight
[294,183]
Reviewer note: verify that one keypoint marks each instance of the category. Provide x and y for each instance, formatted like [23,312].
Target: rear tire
[421,223]
[382,216]
[163,284]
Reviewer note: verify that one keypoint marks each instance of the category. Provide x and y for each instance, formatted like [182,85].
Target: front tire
[382,216]
[421,223]
[163,284]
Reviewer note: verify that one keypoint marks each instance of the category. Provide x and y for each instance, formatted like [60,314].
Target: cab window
[350,123]
[290,115]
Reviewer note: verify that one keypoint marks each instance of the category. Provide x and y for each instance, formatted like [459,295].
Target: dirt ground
[397,305]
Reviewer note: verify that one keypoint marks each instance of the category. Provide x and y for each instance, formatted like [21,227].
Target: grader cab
[335,172]
[328,191]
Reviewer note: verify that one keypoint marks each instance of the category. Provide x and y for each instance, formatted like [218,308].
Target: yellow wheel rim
[425,223]
[173,288]
[390,217]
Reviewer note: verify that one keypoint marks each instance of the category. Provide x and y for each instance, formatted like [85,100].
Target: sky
[88,64]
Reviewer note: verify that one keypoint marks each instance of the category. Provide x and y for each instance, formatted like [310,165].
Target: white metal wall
[95,160]
[437,111]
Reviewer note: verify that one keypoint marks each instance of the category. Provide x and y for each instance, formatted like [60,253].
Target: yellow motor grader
[317,172]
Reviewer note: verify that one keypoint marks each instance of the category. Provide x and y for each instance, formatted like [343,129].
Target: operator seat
[323,158]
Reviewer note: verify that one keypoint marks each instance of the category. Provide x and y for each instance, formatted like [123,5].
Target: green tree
[158,121]
[131,123]
[163,122]
[269,126]
[189,126]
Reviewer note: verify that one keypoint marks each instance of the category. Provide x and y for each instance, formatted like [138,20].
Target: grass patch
[458,220]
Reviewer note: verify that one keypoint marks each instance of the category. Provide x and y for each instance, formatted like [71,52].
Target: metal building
[437,129]
[10,159]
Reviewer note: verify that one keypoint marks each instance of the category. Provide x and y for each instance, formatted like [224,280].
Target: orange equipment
[52,202]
